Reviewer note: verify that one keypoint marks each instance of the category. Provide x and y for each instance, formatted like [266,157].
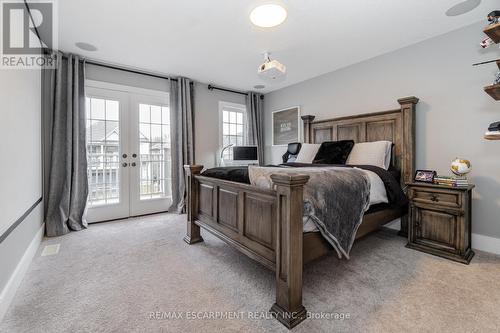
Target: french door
[128,152]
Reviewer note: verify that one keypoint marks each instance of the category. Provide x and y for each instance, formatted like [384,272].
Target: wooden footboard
[266,225]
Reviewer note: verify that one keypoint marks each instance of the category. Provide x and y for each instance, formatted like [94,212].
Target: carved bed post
[288,308]
[307,127]
[193,230]
[408,107]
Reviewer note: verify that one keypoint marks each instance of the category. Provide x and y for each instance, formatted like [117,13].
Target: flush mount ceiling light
[463,7]
[267,16]
[86,46]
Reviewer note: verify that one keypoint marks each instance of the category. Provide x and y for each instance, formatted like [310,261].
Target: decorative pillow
[307,152]
[377,153]
[334,152]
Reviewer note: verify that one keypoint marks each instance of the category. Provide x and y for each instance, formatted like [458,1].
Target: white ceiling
[213,41]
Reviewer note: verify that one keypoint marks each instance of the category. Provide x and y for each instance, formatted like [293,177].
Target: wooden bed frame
[266,225]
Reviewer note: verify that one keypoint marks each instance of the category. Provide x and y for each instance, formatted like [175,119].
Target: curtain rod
[130,70]
[211,87]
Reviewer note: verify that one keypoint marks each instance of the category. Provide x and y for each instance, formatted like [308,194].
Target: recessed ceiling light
[86,46]
[267,16]
[259,86]
[463,7]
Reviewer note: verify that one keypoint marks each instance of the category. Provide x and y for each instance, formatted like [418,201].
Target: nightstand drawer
[436,197]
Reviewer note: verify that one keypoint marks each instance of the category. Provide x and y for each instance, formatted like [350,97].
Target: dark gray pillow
[334,152]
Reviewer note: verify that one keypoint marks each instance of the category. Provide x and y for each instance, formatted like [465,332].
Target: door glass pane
[155,164]
[103,151]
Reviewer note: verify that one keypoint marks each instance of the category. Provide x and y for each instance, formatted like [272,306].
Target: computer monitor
[245,153]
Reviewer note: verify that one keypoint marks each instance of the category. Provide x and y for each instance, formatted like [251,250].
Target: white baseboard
[16,278]
[479,242]
[486,243]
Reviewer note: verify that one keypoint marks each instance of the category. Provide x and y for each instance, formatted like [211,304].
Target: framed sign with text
[286,126]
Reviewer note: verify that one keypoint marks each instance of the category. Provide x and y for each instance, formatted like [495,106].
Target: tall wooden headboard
[397,126]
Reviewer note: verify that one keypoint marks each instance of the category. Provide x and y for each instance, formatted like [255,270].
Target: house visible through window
[233,122]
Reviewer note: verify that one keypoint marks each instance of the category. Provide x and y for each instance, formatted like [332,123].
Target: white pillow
[377,153]
[307,152]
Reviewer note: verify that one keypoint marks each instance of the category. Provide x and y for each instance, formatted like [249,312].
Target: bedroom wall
[206,119]
[452,115]
[99,73]
[20,175]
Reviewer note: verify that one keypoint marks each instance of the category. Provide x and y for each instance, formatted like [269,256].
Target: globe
[460,167]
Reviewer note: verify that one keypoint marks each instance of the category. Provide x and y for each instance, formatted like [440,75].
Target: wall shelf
[493,31]
[492,137]
[493,91]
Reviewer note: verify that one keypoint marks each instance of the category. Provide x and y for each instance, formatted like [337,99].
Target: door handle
[124,164]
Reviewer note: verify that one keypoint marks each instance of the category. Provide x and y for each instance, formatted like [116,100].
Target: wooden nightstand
[439,221]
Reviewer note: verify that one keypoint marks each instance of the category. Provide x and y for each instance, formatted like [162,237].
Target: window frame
[236,107]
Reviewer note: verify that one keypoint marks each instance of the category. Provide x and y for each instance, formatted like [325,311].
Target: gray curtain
[66,185]
[181,117]
[255,123]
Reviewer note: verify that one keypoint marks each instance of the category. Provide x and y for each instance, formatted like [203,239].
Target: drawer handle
[434,198]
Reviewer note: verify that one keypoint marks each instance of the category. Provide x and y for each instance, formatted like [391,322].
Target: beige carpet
[110,278]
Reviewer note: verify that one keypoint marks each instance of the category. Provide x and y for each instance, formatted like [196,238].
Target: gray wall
[104,74]
[20,170]
[452,115]
[206,104]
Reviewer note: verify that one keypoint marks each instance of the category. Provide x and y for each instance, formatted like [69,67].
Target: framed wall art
[286,126]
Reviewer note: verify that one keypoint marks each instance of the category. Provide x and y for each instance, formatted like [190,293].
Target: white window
[233,120]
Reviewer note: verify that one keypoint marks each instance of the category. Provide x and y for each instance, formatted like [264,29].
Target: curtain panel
[65,158]
[255,123]
[182,134]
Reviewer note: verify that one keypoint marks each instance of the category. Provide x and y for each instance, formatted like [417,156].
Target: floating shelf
[493,31]
[493,91]
[492,137]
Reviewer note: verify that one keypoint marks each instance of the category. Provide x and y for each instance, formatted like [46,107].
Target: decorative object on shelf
[494,16]
[425,176]
[460,166]
[286,126]
[497,78]
[493,132]
[494,127]
[487,42]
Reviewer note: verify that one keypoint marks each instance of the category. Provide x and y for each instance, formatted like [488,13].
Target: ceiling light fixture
[463,7]
[267,16]
[86,46]
[259,86]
